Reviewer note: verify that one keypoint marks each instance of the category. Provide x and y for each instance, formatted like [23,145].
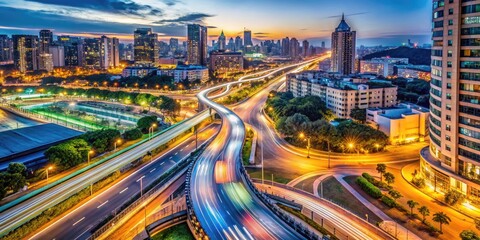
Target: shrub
[369,177]
[418,182]
[369,188]
[469,235]
[389,202]
[453,197]
[133,134]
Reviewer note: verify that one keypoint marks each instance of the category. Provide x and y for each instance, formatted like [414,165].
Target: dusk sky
[387,22]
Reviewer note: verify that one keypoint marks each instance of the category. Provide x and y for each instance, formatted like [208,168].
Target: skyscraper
[343,49]
[109,52]
[294,48]
[6,49]
[46,39]
[25,52]
[452,161]
[92,56]
[197,44]
[305,48]
[286,47]
[173,45]
[222,42]
[238,44]
[231,44]
[145,44]
[247,38]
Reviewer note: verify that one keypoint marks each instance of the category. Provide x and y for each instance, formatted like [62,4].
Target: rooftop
[343,26]
[15,142]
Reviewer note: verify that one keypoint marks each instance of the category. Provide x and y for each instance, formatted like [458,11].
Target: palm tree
[412,204]
[424,211]
[382,169]
[441,218]
[389,178]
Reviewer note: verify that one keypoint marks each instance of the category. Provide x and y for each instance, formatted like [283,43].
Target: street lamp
[115,144]
[377,146]
[308,144]
[48,169]
[150,130]
[88,156]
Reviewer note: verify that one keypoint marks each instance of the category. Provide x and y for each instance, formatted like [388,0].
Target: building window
[449,85]
[449,53]
[449,96]
[450,43]
[449,74]
[450,32]
[449,107]
[448,148]
[448,127]
[448,138]
[450,22]
[448,161]
[450,11]
[449,118]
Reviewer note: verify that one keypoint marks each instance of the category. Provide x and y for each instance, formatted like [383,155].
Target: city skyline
[312,20]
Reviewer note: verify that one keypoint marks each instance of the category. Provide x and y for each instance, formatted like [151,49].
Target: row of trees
[308,117]
[164,103]
[148,82]
[73,152]
[416,91]
[440,217]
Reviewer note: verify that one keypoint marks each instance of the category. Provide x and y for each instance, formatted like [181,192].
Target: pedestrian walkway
[317,182]
[388,224]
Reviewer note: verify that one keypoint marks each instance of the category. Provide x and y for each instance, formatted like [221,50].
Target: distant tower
[238,44]
[222,42]
[145,44]
[343,49]
[46,39]
[305,48]
[247,38]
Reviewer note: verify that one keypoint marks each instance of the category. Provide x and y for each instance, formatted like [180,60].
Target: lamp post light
[351,146]
[308,144]
[115,144]
[88,156]
[377,146]
[150,130]
[48,169]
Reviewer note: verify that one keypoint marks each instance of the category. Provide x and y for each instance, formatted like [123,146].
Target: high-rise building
[305,48]
[25,52]
[222,42]
[92,56]
[6,49]
[323,44]
[247,38]
[109,52]
[145,44]
[452,161]
[231,45]
[294,48]
[286,47]
[46,39]
[226,62]
[343,49]
[73,50]
[45,62]
[238,44]
[58,55]
[173,45]
[197,45]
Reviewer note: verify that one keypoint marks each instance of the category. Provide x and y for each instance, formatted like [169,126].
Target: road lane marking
[153,170]
[229,213]
[176,153]
[81,219]
[123,190]
[187,145]
[181,149]
[162,163]
[248,233]
[171,157]
[140,178]
[101,205]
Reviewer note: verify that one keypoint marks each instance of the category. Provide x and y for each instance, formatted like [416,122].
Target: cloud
[185,19]
[171,2]
[113,6]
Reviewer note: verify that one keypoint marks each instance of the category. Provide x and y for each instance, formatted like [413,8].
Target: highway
[41,199]
[224,205]
[77,223]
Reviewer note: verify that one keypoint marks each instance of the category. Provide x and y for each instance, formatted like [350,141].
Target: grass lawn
[177,232]
[335,192]
[412,225]
[277,177]
[307,185]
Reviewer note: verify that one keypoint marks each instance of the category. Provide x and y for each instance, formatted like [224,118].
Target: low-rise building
[403,123]
[342,95]
[226,62]
[414,71]
[186,72]
[383,66]
[138,71]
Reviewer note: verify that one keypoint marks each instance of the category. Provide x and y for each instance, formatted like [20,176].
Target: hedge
[388,201]
[368,187]
[368,177]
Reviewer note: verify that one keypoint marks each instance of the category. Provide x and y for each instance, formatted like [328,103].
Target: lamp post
[48,169]
[377,146]
[351,146]
[150,130]
[115,144]
[88,156]
[308,144]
